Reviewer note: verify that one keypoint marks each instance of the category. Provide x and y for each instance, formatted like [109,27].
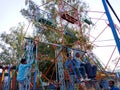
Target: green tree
[48,21]
[12,44]
[71,34]
[49,28]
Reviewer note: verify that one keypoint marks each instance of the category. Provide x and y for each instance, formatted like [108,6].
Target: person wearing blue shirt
[21,76]
[77,61]
[112,85]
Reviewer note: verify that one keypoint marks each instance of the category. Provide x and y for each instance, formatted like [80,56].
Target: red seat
[69,18]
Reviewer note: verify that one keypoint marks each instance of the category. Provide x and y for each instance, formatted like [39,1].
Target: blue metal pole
[111,25]
[35,77]
[8,77]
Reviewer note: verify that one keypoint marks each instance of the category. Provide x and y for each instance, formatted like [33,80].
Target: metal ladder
[30,57]
[60,70]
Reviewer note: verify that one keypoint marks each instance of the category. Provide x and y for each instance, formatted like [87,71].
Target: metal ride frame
[109,24]
[112,25]
[65,16]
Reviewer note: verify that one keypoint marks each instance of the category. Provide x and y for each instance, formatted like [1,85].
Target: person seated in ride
[91,70]
[79,66]
[85,67]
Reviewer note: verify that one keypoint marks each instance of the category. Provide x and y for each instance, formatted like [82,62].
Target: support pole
[60,70]
[35,81]
[9,78]
[111,25]
[30,58]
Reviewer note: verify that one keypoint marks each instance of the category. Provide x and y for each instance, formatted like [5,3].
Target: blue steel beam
[117,40]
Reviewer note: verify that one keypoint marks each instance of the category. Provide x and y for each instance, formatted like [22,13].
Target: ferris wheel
[69,16]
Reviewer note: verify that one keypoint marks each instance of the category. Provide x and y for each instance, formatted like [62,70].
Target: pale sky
[10,13]
[104,53]
[10,16]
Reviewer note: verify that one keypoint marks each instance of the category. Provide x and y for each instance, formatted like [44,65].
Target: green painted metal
[46,22]
[89,22]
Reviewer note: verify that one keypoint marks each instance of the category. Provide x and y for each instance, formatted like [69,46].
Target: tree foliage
[12,44]
[48,30]
[71,34]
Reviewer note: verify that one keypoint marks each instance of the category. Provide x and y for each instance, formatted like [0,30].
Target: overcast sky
[10,16]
